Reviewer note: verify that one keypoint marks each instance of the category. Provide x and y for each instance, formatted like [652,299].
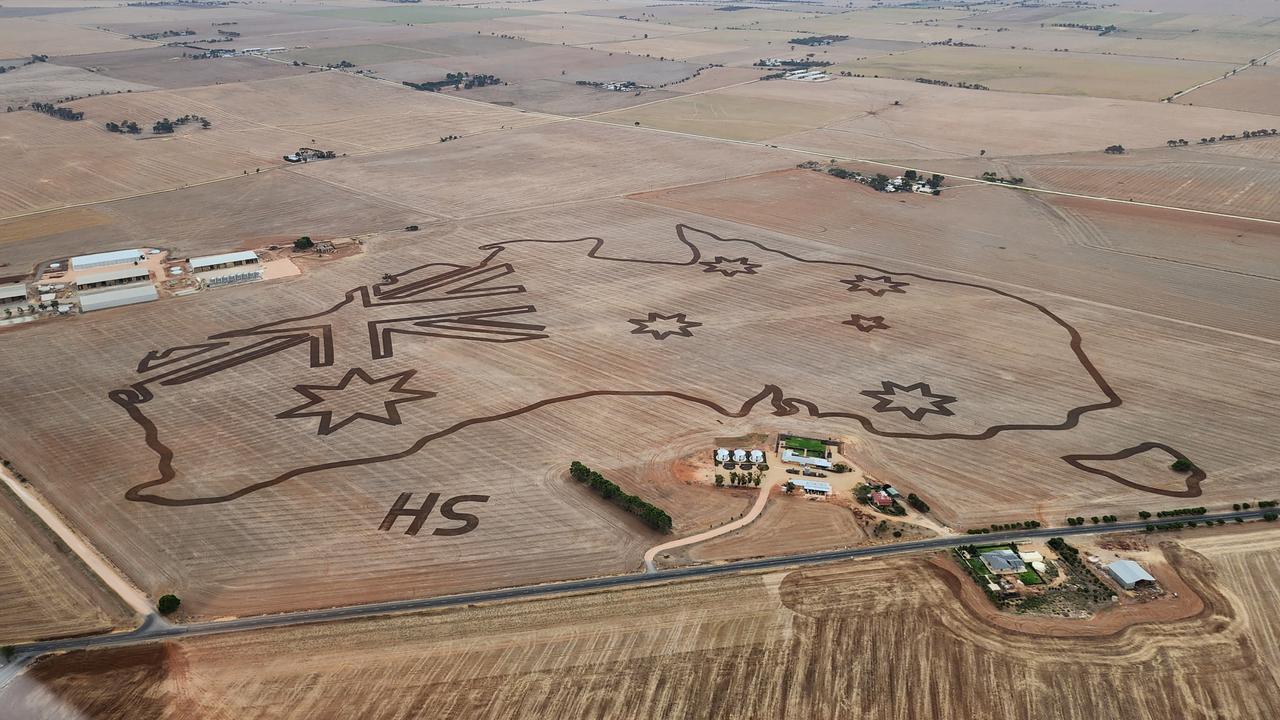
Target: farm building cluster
[103,280]
[1054,578]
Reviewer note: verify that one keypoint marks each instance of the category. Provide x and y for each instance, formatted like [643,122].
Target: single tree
[168,603]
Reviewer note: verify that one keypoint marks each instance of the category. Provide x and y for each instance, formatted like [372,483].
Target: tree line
[59,112]
[655,517]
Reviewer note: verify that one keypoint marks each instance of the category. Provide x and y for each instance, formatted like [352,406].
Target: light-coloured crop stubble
[44,591]
[857,117]
[815,643]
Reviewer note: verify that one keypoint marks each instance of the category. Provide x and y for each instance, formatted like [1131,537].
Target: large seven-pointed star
[914,401]
[351,402]
[662,327]
[877,285]
[729,267]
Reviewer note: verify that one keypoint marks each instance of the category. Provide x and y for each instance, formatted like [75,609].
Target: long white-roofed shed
[122,276]
[129,295]
[13,294]
[103,259]
[224,260]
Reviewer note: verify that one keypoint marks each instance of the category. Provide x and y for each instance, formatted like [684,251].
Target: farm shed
[103,259]
[1129,574]
[123,276]
[103,299]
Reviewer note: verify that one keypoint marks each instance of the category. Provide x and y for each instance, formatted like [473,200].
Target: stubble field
[816,643]
[46,591]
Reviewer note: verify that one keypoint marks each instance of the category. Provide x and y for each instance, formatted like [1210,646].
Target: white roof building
[209,262]
[117,277]
[722,454]
[739,455]
[115,297]
[1030,557]
[792,457]
[13,293]
[103,259]
[757,456]
[813,487]
[1128,573]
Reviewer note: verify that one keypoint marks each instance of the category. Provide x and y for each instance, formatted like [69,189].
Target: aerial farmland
[607,358]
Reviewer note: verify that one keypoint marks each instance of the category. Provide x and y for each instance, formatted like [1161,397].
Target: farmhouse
[881,499]
[793,457]
[1004,562]
[112,278]
[813,487]
[1129,574]
[104,259]
[13,294]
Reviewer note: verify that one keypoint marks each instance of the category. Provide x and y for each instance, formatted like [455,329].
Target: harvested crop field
[23,37]
[1127,78]
[258,532]
[757,646]
[164,67]
[1252,90]
[1187,177]
[249,132]
[245,211]
[46,82]
[553,163]
[857,117]
[46,592]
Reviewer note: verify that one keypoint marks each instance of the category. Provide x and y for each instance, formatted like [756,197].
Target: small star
[663,326]
[867,323]
[350,401]
[914,401]
[877,285]
[730,267]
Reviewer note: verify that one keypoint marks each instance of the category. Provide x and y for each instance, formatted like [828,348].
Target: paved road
[152,631]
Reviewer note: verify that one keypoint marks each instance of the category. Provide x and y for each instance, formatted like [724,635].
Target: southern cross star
[348,401]
[914,401]
[867,323]
[729,267]
[876,285]
[663,326]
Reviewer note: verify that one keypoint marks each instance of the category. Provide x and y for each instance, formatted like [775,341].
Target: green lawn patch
[1030,578]
[806,444]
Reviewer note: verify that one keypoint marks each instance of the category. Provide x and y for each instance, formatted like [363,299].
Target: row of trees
[124,126]
[165,126]
[59,112]
[1002,527]
[1073,521]
[458,81]
[743,478]
[655,517]
[812,40]
[1244,134]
